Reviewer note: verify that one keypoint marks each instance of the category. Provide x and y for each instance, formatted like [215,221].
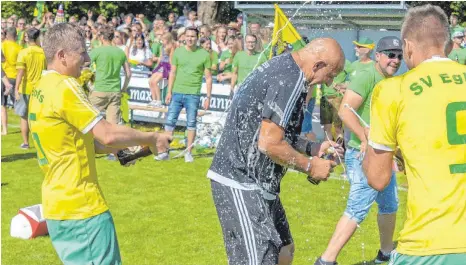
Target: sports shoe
[381,258]
[162,156]
[24,146]
[319,261]
[188,158]
[111,157]
[155,104]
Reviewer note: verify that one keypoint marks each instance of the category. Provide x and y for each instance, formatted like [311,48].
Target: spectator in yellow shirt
[30,64]
[10,50]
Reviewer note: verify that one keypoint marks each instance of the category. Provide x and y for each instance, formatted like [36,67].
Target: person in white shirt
[139,55]
[192,20]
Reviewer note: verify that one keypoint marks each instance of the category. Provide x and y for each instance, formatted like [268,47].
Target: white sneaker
[155,104]
[162,156]
[188,158]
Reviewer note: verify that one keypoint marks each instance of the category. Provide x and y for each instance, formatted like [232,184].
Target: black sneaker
[321,262]
[381,258]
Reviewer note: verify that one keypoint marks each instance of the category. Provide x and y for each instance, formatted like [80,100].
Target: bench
[133,107]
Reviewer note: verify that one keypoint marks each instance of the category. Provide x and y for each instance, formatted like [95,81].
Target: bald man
[259,142]
[427,121]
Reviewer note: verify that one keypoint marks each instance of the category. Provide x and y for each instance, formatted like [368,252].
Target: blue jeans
[361,195]
[178,102]
[307,122]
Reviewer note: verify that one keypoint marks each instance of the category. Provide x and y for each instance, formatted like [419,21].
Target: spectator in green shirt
[189,64]
[363,48]
[226,60]
[246,61]
[108,61]
[454,24]
[206,45]
[458,53]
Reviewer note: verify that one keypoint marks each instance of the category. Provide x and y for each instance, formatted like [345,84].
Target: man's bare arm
[377,166]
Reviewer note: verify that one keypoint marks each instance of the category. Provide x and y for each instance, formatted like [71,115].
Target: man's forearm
[19,77]
[352,122]
[282,153]
[119,136]
[171,81]
[234,77]
[209,85]
[103,149]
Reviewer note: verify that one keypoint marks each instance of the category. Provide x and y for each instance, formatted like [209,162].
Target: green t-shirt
[363,83]
[223,57]
[458,55]
[190,66]
[246,64]
[358,66]
[456,28]
[108,61]
[214,60]
[329,91]
[95,44]
[156,49]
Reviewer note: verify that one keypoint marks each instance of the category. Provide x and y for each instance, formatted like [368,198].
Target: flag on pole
[284,34]
[40,10]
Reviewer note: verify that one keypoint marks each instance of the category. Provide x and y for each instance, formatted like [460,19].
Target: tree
[450,7]
[211,12]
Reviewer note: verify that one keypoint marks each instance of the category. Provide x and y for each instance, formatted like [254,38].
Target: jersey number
[454,138]
[40,152]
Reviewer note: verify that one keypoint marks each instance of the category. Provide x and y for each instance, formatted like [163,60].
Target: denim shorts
[361,195]
[307,122]
[178,102]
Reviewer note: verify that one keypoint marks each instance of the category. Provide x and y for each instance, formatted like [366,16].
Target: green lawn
[164,212]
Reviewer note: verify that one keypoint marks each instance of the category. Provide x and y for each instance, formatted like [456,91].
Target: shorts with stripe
[254,228]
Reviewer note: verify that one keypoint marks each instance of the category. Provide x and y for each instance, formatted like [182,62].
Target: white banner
[139,93]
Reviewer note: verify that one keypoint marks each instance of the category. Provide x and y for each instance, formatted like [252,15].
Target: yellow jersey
[60,118]
[424,113]
[10,51]
[33,60]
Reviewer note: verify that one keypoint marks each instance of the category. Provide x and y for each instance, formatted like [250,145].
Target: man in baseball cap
[363,48]
[361,196]
[458,53]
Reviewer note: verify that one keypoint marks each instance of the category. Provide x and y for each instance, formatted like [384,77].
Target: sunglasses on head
[393,55]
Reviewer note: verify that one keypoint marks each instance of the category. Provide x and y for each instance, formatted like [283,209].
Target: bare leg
[386,224]
[25,131]
[191,137]
[154,85]
[286,255]
[343,232]
[4,121]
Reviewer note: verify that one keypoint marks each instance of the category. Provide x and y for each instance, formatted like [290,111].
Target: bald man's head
[321,60]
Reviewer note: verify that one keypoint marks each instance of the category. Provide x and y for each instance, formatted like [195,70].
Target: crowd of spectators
[148,48]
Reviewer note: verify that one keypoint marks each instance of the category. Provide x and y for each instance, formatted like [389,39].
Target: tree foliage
[107,8]
[450,7]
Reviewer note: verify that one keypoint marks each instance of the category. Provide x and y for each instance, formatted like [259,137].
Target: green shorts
[87,241]
[446,259]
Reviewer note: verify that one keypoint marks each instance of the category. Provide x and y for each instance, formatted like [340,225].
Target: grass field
[164,213]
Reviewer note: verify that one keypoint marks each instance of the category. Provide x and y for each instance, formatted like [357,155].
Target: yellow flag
[284,34]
